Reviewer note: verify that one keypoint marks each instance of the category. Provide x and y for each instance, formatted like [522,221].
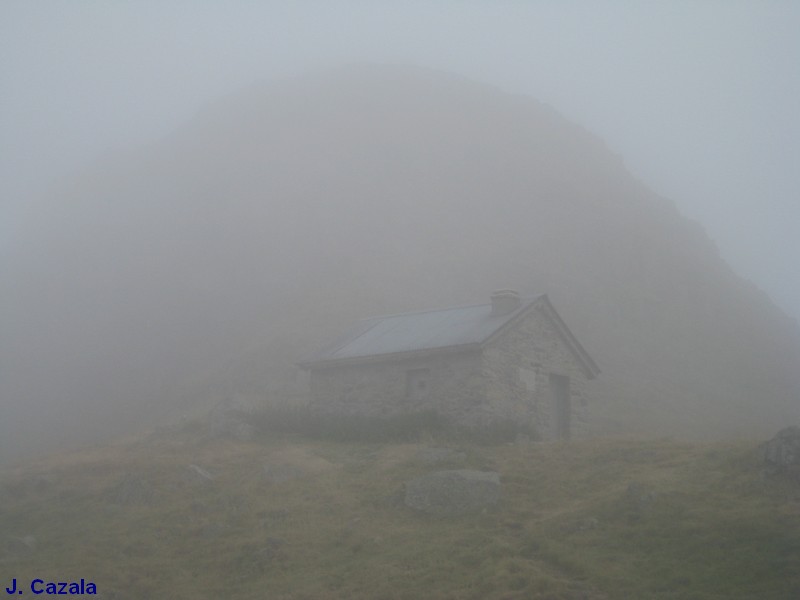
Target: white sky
[702,99]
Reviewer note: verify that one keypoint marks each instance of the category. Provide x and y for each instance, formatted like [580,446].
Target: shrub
[341,427]
[497,431]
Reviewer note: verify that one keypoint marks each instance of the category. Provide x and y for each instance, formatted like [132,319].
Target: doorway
[561,406]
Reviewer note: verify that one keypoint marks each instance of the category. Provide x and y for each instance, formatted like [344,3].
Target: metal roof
[410,332]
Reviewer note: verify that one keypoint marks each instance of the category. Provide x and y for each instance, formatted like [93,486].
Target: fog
[699,101]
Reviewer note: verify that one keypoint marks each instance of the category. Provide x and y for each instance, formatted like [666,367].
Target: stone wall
[510,379]
[453,386]
[517,365]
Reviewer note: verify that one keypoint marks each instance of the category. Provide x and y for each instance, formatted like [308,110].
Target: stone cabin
[511,359]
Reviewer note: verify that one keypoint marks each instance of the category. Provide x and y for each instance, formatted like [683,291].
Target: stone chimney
[504,302]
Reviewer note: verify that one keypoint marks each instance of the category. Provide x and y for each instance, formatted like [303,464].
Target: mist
[151,259]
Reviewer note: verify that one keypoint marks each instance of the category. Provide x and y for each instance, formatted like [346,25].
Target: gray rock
[199,475]
[232,419]
[433,456]
[782,451]
[29,541]
[453,492]
[639,496]
[21,546]
[523,439]
[638,500]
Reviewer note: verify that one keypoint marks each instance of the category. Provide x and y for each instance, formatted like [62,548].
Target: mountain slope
[275,217]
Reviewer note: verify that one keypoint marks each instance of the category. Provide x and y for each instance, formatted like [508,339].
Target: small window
[418,384]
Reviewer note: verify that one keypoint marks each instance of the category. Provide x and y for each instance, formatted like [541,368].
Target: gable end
[590,368]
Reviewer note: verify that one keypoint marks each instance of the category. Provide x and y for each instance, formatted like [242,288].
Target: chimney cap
[505,301]
[505,292]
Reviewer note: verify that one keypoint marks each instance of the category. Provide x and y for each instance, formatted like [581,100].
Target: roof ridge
[523,301]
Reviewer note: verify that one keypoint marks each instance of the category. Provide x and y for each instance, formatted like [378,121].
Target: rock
[783,451]
[439,455]
[523,439]
[199,475]
[21,546]
[232,419]
[639,495]
[453,492]
[638,500]
[281,473]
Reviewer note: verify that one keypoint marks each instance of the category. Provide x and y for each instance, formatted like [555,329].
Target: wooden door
[561,406]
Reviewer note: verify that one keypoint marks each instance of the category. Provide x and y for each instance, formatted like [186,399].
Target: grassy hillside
[593,519]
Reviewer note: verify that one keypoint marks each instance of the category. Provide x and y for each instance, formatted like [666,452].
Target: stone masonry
[530,370]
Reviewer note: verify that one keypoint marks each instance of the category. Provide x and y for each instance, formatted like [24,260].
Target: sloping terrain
[205,265]
[177,515]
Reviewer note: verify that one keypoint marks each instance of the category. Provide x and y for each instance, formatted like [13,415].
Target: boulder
[448,493]
[782,451]
[639,496]
[20,546]
[199,475]
[638,500]
[232,419]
